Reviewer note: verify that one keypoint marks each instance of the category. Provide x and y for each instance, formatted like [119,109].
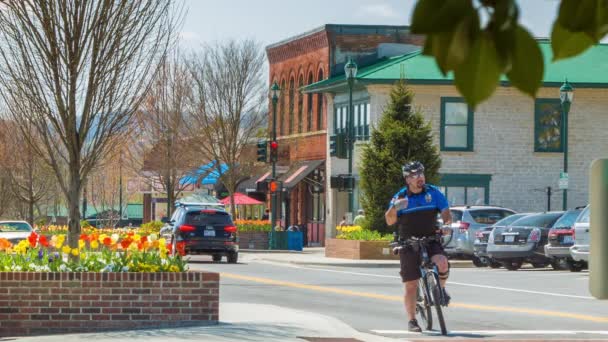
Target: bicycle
[432,294]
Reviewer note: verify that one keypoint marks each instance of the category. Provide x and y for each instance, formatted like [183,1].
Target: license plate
[568,239]
[209,233]
[509,238]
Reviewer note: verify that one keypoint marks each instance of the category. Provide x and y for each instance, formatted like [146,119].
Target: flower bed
[95,253]
[108,282]
[253,225]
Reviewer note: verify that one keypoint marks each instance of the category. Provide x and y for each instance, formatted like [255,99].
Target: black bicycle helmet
[412,167]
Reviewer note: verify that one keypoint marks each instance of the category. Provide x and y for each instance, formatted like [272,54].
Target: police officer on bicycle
[414,209]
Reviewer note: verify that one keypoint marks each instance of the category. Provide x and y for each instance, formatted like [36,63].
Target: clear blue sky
[269,21]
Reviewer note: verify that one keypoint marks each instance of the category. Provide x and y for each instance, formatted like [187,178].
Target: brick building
[508,151]
[302,118]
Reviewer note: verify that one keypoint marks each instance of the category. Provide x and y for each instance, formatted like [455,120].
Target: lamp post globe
[275,92]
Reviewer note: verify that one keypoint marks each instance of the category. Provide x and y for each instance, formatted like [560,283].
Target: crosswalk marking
[497,332]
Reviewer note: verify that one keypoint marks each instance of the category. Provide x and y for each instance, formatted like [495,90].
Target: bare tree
[29,177]
[228,106]
[76,71]
[167,148]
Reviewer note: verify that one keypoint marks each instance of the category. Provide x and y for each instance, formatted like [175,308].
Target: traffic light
[274,151]
[275,186]
[337,146]
[262,150]
[332,146]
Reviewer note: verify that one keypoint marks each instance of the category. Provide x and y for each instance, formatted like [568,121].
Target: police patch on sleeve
[428,198]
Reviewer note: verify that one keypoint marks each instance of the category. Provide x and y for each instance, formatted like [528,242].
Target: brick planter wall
[46,303]
[253,240]
[356,249]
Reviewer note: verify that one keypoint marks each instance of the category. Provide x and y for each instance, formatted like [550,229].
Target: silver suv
[580,250]
[467,220]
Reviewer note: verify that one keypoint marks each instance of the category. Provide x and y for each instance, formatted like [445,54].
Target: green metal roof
[589,70]
[135,211]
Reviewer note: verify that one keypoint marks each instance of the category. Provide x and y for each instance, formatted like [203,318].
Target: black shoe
[446,297]
[413,326]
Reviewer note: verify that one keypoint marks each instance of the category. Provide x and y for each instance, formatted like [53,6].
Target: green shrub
[152,227]
[365,235]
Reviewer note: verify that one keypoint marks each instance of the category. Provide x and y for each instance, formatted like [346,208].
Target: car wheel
[478,263]
[556,264]
[513,265]
[575,266]
[495,264]
[539,265]
[217,257]
[233,257]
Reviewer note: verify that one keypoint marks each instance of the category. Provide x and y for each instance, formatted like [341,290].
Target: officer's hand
[400,203]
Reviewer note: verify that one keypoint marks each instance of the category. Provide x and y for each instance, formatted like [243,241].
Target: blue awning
[206,174]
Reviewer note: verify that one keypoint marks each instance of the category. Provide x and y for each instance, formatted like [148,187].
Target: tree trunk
[170,200]
[74,211]
[30,216]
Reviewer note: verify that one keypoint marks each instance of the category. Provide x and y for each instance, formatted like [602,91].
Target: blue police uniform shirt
[419,216]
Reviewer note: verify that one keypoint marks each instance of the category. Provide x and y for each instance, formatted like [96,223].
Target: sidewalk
[315,256]
[238,322]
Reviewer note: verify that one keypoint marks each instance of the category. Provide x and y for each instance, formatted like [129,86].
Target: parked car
[481,239]
[467,220]
[15,231]
[561,239]
[203,229]
[523,241]
[580,250]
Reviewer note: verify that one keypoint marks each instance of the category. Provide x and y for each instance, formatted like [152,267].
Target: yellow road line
[492,308]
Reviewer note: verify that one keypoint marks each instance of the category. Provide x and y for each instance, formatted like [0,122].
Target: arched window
[320,104]
[282,109]
[291,104]
[309,104]
[300,104]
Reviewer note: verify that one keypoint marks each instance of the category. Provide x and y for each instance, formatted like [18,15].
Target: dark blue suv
[202,229]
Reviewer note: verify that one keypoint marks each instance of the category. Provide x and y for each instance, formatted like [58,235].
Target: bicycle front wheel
[423,305]
[435,289]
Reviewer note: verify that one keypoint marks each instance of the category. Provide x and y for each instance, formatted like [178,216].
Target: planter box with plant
[354,242]
[253,234]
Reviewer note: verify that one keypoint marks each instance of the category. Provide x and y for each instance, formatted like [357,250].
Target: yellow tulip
[102,237]
[81,244]
[75,252]
[66,249]
[94,244]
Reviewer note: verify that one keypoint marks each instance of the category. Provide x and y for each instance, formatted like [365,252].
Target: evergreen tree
[402,135]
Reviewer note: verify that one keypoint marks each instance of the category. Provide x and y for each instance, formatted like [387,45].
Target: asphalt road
[486,303]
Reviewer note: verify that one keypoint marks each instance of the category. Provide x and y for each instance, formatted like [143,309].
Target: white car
[15,231]
[580,250]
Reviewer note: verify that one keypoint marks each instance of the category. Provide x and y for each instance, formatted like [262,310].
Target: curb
[465,264]
[274,251]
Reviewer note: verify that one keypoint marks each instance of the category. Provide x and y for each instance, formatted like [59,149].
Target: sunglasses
[416,175]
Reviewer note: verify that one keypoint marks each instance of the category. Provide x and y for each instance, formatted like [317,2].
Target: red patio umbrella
[240,199]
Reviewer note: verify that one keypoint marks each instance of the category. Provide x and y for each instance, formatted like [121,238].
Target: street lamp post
[566,94]
[275,91]
[350,70]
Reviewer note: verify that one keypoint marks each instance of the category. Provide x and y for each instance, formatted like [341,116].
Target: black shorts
[410,260]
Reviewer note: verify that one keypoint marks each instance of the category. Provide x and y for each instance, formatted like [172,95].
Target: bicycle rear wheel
[434,285]
[423,305]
